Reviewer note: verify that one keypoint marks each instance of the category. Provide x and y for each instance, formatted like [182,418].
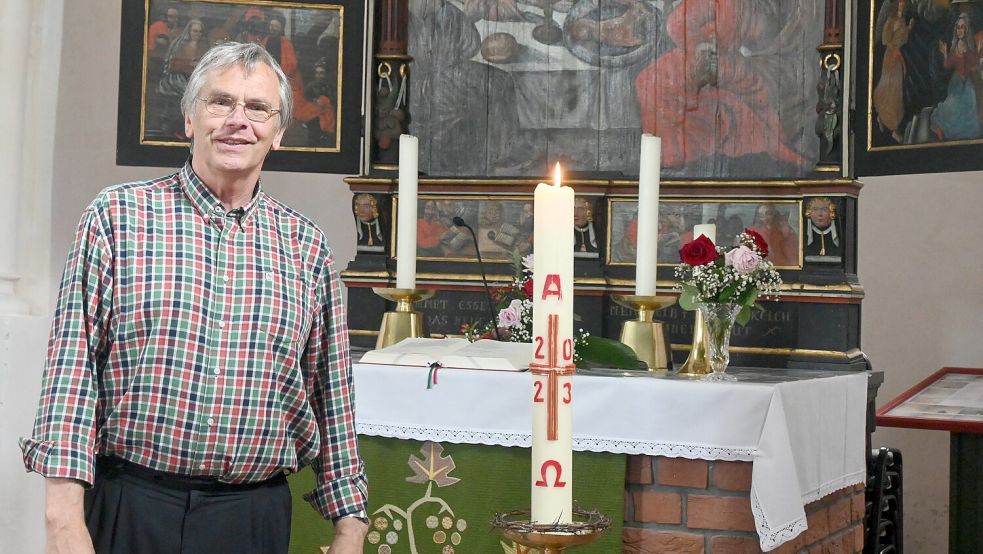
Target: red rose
[698,252]
[527,288]
[760,244]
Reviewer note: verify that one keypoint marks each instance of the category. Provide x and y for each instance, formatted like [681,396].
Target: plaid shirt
[195,342]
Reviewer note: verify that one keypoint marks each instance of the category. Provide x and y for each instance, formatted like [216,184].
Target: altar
[775,461]
[801,431]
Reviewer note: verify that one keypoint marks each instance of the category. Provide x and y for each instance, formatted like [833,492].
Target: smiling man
[199,350]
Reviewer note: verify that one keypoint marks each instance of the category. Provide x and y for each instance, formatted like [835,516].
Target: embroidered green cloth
[442,497]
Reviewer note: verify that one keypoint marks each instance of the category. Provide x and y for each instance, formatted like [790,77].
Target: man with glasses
[199,350]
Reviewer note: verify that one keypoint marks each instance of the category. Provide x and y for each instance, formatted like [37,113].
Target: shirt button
[216,371]
[202,466]
[221,324]
[211,421]
[225,278]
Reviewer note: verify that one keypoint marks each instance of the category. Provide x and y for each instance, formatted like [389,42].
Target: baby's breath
[719,282]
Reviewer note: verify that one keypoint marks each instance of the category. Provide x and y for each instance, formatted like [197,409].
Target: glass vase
[719,321]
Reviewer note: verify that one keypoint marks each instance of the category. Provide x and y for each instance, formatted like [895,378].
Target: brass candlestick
[647,337]
[404,322]
[552,538]
[696,364]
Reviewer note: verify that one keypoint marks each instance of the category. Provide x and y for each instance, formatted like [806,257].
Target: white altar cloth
[803,431]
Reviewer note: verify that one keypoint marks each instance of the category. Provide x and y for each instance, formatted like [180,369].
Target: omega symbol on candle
[545,469]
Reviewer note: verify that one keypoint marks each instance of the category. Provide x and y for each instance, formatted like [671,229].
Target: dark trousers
[135,510]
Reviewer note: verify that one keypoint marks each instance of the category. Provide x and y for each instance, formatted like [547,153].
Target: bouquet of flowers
[513,304]
[711,274]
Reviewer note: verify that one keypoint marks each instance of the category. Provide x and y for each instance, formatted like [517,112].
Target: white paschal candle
[406,226]
[648,215]
[707,229]
[552,428]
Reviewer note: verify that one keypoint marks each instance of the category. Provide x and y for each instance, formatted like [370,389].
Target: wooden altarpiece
[746,95]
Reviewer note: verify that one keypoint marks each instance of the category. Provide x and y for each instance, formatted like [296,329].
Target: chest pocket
[281,314]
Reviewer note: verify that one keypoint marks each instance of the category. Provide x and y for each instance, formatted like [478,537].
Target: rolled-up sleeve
[341,484]
[62,443]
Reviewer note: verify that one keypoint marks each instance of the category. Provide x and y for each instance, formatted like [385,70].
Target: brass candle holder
[646,336]
[404,322]
[551,538]
[696,364]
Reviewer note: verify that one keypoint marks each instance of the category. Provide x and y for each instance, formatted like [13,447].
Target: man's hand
[64,517]
[349,536]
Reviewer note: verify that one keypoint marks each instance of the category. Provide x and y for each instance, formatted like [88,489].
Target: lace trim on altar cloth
[773,538]
[668,449]
[832,486]
[580,444]
[769,538]
[436,434]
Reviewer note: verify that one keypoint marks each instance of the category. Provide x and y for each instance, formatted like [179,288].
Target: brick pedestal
[696,506]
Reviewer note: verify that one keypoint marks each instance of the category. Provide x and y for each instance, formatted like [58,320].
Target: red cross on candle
[552,370]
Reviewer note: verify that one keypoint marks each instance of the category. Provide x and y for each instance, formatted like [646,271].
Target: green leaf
[687,300]
[728,292]
[601,352]
[517,264]
[748,297]
[744,316]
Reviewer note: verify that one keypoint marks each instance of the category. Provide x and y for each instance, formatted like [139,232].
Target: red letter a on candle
[552,287]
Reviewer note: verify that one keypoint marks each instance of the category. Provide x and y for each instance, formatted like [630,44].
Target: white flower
[527,262]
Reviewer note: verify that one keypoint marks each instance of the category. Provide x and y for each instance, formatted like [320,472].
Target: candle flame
[556,175]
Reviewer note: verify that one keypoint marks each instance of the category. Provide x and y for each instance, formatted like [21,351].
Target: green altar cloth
[439,498]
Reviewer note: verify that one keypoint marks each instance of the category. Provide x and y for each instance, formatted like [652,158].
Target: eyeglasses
[222,106]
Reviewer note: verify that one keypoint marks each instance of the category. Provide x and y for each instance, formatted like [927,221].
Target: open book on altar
[457,353]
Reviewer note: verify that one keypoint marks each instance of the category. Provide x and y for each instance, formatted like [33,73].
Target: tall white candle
[648,215]
[552,366]
[709,230]
[406,226]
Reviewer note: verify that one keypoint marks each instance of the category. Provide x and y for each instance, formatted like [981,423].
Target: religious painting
[506,88]
[502,225]
[585,235]
[919,86]
[823,236]
[778,221]
[317,44]
[369,223]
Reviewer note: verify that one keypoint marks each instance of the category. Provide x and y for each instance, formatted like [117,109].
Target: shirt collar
[831,231]
[205,201]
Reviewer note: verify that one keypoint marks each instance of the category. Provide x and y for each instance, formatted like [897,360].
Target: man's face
[364,209]
[671,218]
[276,28]
[255,31]
[172,18]
[766,214]
[234,146]
[581,212]
[320,74]
[527,213]
[821,215]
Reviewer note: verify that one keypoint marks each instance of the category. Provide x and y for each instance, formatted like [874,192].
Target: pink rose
[511,316]
[743,259]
